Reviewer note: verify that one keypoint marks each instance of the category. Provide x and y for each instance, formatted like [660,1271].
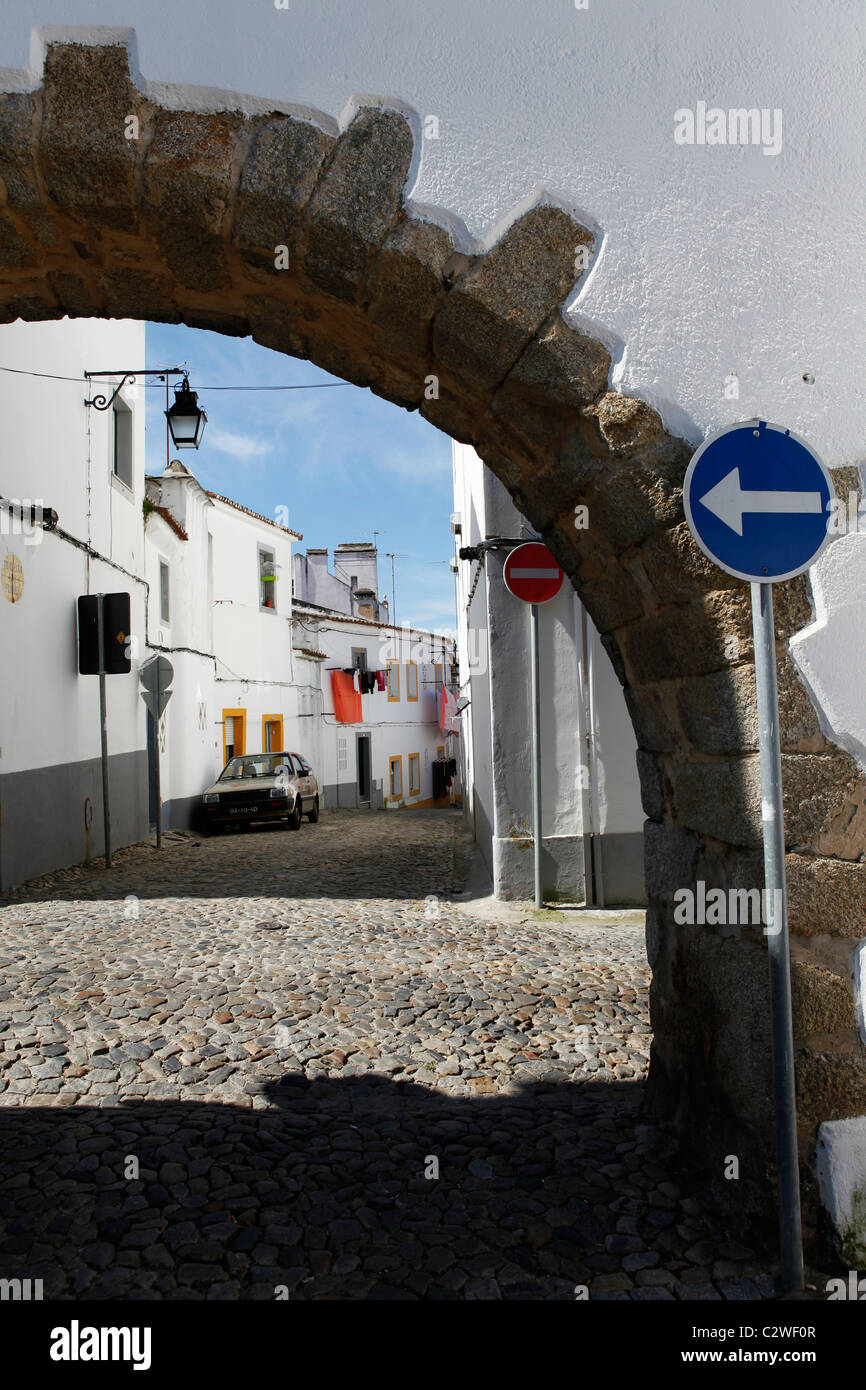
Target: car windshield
[262,765]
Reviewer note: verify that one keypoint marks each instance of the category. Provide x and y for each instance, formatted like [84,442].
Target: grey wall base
[562,869]
[344,796]
[42,814]
[622,862]
[181,813]
[341,796]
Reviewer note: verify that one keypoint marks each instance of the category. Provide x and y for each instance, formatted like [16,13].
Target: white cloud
[416,466]
[438,620]
[240,446]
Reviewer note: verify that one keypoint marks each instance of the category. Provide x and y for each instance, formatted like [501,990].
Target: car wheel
[314,814]
[293,822]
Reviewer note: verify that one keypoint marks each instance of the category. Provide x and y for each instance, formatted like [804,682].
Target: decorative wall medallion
[12,578]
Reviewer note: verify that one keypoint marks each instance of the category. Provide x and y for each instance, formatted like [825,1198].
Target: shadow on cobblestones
[323,1194]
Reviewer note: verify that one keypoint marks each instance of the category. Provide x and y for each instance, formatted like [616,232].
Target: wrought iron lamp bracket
[102,402]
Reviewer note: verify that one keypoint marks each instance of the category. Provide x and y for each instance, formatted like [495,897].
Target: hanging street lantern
[186,420]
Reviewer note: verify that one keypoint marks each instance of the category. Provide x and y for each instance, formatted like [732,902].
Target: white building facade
[88,466]
[220,610]
[592,842]
[386,757]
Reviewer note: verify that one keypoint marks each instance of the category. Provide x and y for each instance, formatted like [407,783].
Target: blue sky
[343,462]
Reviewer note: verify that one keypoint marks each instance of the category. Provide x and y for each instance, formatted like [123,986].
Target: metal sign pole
[158,786]
[536,748]
[791,1239]
[103,725]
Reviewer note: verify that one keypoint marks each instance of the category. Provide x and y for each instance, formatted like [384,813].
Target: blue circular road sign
[757,501]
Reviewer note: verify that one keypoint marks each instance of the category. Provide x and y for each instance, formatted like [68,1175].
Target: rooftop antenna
[392,557]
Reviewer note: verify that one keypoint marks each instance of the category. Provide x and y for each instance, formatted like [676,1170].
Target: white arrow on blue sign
[757,500]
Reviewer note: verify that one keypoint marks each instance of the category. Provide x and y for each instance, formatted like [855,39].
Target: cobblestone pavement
[236,1067]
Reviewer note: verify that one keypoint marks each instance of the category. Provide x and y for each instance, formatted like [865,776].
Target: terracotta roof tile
[167,516]
[258,516]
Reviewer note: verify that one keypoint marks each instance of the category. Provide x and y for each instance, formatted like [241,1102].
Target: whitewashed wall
[314,583]
[249,640]
[493,637]
[714,258]
[238,656]
[58,451]
[190,736]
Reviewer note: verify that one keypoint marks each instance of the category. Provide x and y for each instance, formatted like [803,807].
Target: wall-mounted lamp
[186,420]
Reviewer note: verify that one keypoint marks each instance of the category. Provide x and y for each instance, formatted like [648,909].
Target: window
[164,595]
[234,733]
[121,448]
[359,658]
[393,680]
[414,774]
[267,580]
[437,678]
[342,754]
[272,733]
[395,779]
[411,680]
[258,766]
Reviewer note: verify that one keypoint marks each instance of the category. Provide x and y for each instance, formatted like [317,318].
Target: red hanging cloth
[347,700]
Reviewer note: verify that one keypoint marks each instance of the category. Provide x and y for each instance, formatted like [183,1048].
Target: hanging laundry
[347,701]
[381,679]
[449,719]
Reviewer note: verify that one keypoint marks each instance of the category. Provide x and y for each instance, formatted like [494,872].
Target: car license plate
[247,810]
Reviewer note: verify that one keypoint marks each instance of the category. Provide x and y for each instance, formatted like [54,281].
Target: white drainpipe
[590,803]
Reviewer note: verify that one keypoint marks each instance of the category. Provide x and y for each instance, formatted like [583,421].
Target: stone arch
[182,224]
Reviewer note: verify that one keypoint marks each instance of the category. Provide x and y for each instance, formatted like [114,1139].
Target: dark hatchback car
[262,787]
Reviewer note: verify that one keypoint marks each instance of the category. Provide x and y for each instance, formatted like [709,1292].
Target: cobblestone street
[295,1062]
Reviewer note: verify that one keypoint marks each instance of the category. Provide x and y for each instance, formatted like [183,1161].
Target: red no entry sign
[532,574]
